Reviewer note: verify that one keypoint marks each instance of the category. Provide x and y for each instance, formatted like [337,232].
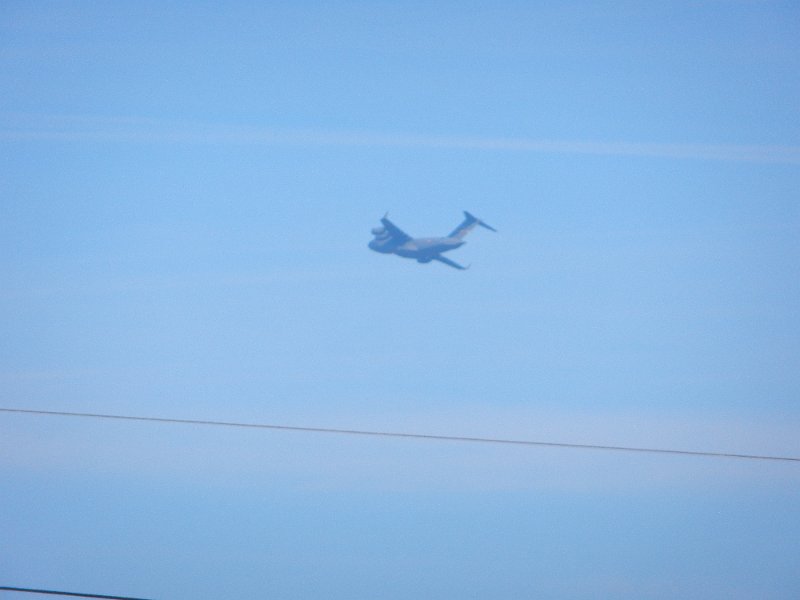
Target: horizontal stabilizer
[467,225]
[481,223]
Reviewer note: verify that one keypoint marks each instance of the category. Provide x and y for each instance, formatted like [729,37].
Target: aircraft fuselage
[420,249]
[390,239]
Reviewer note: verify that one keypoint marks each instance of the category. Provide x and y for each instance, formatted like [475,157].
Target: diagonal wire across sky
[403,435]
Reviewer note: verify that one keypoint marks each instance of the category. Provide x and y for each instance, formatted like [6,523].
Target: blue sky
[187,193]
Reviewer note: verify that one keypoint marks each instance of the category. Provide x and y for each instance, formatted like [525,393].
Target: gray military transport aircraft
[390,239]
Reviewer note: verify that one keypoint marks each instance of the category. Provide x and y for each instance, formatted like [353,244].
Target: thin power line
[392,434]
[74,594]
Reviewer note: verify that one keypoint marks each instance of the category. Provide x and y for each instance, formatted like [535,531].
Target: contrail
[75,128]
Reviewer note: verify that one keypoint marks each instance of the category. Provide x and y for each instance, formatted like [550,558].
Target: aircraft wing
[396,233]
[449,262]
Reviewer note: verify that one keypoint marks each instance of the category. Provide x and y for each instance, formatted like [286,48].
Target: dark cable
[420,436]
[74,594]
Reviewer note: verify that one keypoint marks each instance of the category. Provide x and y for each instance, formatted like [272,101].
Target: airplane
[390,239]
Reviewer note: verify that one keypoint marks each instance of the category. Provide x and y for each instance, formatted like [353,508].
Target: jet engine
[378,230]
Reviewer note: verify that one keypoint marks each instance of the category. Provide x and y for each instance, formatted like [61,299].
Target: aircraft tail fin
[467,225]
